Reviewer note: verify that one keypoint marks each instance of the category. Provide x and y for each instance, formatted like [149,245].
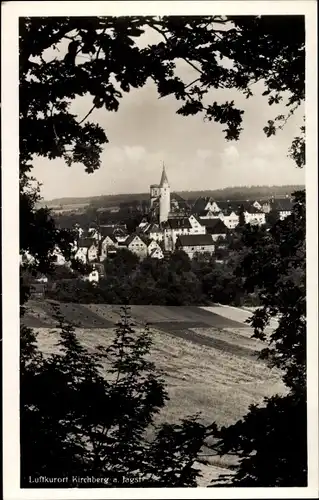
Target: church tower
[165,197]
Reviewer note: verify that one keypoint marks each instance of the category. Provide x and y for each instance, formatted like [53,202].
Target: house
[193,244]
[118,231]
[215,227]
[197,227]
[155,232]
[254,216]
[93,232]
[144,223]
[257,205]
[79,230]
[177,226]
[87,250]
[212,206]
[199,206]
[209,214]
[283,207]
[152,245]
[157,253]
[59,257]
[265,206]
[136,245]
[92,277]
[230,218]
[109,243]
[26,258]
[174,227]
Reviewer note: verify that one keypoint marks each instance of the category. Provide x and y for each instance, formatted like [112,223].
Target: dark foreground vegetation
[80,418]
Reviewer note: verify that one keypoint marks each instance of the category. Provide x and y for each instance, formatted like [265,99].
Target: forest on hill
[235,193]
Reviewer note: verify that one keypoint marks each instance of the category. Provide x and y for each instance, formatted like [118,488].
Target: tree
[105,437]
[123,263]
[101,56]
[103,59]
[271,440]
[241,220]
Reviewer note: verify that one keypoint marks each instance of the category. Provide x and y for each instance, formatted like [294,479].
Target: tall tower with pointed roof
[165,197]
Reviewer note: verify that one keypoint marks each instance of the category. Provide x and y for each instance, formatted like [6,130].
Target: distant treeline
[235,193]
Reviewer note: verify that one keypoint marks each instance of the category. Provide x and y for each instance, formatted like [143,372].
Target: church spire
[164,179]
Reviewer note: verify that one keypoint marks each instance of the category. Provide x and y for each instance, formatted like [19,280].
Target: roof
[111,237]
[155,250]
[106,231]
[110,230]
[178,223]
[199,205]
[129,240]
[182,203]
[188,240]
[164,179]
[214,226]
[150,242]
[86,242]
[154,228]
[282,205]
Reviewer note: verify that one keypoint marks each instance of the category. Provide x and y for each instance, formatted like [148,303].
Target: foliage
[106,436]
[99,47]
[104,57]
[129,281]
[271,440]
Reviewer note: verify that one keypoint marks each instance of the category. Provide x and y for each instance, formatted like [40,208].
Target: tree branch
[88,114]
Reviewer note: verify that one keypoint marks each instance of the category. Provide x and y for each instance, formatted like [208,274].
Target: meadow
[209,361]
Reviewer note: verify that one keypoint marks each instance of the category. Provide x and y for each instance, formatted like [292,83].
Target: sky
[146,131]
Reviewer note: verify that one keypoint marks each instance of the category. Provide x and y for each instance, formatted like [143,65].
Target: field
[209,361]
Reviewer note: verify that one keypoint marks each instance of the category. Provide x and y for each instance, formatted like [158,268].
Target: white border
[10,231]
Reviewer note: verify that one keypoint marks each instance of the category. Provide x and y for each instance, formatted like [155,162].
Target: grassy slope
[217,380]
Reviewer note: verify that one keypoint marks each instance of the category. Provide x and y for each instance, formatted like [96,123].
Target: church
[163,203]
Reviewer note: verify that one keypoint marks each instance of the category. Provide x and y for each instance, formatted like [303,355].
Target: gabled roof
[182,203]
[143,229]
[192,240]
[114,229]
[282,205]
[226,205]
[199,205]
[106,231]
[130,238]
[178,223]
[196,217]
[86,242]
[154,228]
[149,242]
[111,237]
[214,226]
[155,250]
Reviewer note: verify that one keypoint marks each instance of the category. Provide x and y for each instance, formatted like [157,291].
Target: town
[162,298]
[171,223]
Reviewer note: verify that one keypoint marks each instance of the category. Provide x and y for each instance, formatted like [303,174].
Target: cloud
[265,148]
[203,154]
[135,153]
[259,163]
[115,154]
[230,154]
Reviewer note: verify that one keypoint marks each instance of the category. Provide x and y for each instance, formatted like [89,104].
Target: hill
[207,356]
[235,193]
